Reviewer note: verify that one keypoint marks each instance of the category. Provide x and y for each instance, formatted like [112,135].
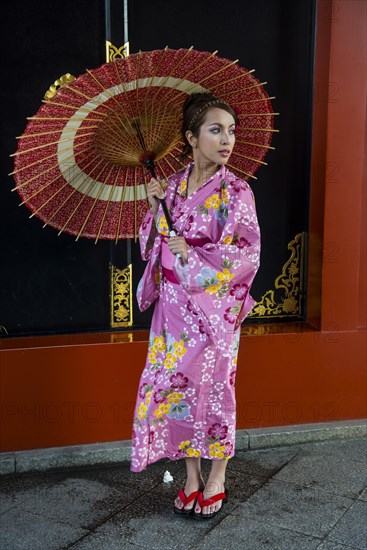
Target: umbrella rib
[81,200]
[37,175]
[214,73]
[246,88]
[50,183]
[114,100]
[57,192]
[89,99]
[241,171]
[53,118]
[155,71]
[172,71]
[74,107]
[37,162]
[159,164]
[113,187]
[121,205]
[25,136]
[254,144]
[255,100]
[249,158]
[95,201]
[245,115]
[111,97]
[186,76]
[176,158]
[241,75]
[66,140]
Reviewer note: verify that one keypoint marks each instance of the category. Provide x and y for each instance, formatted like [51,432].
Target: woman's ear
[191,138]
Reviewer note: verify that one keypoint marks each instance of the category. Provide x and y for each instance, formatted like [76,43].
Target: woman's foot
[191,486]
[213,487]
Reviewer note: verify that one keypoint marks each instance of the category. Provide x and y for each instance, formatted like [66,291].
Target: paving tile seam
[331,539]
[336,523]
[318,488]
[347,546]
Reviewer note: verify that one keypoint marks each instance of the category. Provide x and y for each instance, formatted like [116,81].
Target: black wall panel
[52,284]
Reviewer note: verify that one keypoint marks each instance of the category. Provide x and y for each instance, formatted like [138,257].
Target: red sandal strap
[186,500]
[211,500]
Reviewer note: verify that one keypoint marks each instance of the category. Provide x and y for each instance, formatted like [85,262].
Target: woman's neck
[201,172]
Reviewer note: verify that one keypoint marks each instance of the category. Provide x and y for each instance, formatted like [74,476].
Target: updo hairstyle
[194,110]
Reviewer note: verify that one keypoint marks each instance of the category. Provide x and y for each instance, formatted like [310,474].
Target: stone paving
[308,496]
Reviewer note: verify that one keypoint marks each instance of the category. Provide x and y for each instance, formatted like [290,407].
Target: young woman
[200,281]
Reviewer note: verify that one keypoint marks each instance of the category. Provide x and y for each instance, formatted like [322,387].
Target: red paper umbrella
[80,167]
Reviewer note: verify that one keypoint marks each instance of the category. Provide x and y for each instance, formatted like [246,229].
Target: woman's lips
[224,153]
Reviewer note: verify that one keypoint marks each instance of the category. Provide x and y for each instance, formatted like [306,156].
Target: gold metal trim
[121,296]
[113,52]
[64,80]
[291,281]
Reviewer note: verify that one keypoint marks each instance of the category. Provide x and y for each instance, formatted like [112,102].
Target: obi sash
[168,259]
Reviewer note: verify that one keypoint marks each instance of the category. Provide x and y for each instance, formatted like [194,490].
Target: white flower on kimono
[214,319]
[209,354]
[179,411]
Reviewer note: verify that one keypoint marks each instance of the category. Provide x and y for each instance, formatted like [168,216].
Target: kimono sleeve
[147,235]
[218,276]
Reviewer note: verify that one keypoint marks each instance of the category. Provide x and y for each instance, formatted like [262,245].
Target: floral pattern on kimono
[186,399]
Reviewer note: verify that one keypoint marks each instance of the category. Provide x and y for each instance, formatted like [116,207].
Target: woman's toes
[178,503]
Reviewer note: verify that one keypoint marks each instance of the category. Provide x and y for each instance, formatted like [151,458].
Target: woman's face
[216,138]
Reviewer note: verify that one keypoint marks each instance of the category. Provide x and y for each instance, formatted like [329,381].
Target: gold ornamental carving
[113,52]
[121,296]
[59,83]
[287,298]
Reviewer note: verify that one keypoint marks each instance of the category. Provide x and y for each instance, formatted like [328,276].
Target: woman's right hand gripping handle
[154,193]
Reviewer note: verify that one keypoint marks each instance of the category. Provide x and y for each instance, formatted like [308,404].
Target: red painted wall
[81,389]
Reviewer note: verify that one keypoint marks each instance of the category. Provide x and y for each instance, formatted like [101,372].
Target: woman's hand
[154,192]
[177,245]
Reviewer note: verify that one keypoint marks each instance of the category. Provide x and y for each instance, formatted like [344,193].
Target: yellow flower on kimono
[213,202]
[183,187]
[193,452]
[183,444]
[142,410]
[163,226]
[175,397]
[212,289]
[227,240]
[179,348]
[159,343]
[225,276]
[225,196]
[217,450]
[152,357]
[161,410]
[169,361]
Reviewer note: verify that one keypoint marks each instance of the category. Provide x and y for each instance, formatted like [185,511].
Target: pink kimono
[186,404]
